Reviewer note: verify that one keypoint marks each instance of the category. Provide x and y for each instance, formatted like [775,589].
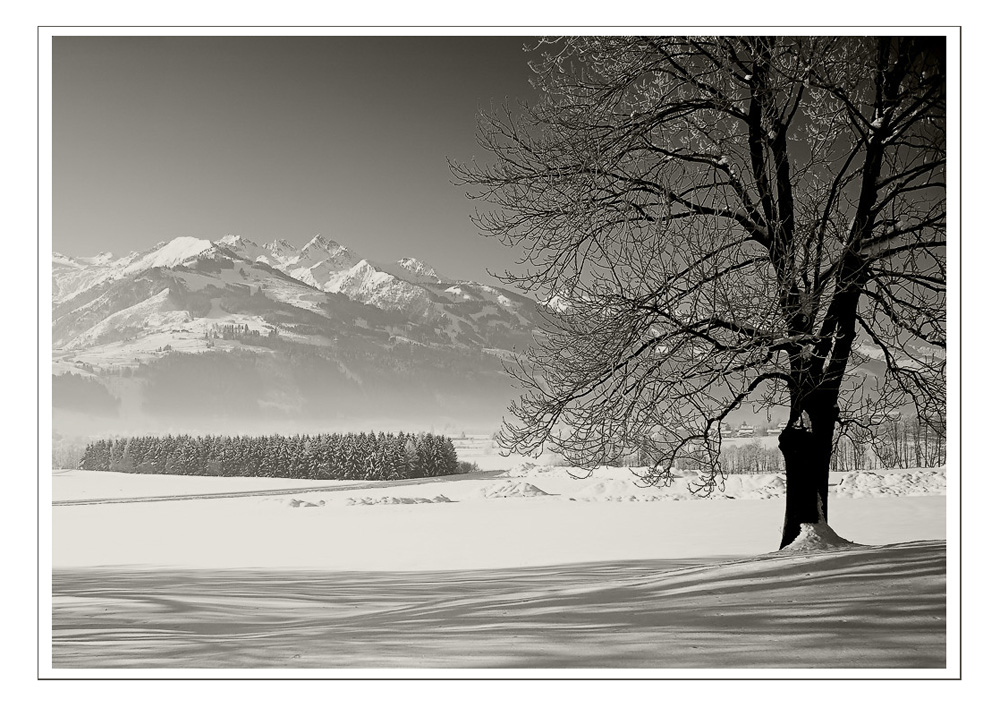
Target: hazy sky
[276,137]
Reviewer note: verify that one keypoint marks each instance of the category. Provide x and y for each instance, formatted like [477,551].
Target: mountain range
[195,333]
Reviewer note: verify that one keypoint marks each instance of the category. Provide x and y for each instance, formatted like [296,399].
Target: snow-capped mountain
[326,265]
[419,272]
[71,276]
[318,262]
[194,304]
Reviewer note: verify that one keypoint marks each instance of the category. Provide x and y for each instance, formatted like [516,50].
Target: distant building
[727,430]
[745,431]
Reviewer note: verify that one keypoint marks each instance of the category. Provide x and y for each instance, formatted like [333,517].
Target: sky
[277,137]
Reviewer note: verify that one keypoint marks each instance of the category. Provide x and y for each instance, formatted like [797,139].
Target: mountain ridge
[258,316]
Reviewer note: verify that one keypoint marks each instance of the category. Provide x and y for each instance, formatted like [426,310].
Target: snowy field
[526,567]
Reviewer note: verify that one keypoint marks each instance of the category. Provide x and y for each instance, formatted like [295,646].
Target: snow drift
[893,483]
[370,501]
[512,489]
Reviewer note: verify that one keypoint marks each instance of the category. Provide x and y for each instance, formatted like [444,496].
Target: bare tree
[724,222]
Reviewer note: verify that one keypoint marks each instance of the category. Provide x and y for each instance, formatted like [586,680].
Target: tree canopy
[722,222]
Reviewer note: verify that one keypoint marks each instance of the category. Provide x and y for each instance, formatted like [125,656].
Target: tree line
[367,456]
[900,443]
[897,443]
[239,332]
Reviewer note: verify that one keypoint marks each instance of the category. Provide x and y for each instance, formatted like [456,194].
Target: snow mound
[764,486]
[512,489]
[526,469]
[816,537]
[296,503]
[898,483]
[373,501]
[752,486]
[520,470]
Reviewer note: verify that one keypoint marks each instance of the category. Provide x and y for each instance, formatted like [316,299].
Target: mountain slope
[227,330]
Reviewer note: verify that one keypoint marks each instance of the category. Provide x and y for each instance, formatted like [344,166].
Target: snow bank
[512,489]
[370,501]
[526,469]
[753,486]
[763,486]
[609,484]
[895,483]
[620,484]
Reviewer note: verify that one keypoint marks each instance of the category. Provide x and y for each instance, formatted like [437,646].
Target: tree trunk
[807,454]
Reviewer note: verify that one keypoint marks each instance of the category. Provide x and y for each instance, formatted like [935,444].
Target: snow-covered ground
[527,566]
[86,485]
[527,516]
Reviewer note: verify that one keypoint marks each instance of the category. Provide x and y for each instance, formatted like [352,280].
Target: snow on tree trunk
[816,537]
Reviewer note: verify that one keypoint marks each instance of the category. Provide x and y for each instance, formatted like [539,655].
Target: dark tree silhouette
[724,222]
[328,456]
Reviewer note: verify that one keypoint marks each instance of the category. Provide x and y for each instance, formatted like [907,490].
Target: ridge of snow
[373,285]
[324,255]
[239,243]
[171,253]
[362,274]
[512,489]
[318,273]
[320,241]
[245,248]
[881,483]
[66,261]
[414,268]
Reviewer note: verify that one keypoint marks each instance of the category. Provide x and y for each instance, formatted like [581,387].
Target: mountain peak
[280,247]
[363,266]
[420,272]
[171,253]
[233,239]
[322,245]
[320,241]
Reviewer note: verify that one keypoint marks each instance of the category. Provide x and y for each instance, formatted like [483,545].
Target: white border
[44,280]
